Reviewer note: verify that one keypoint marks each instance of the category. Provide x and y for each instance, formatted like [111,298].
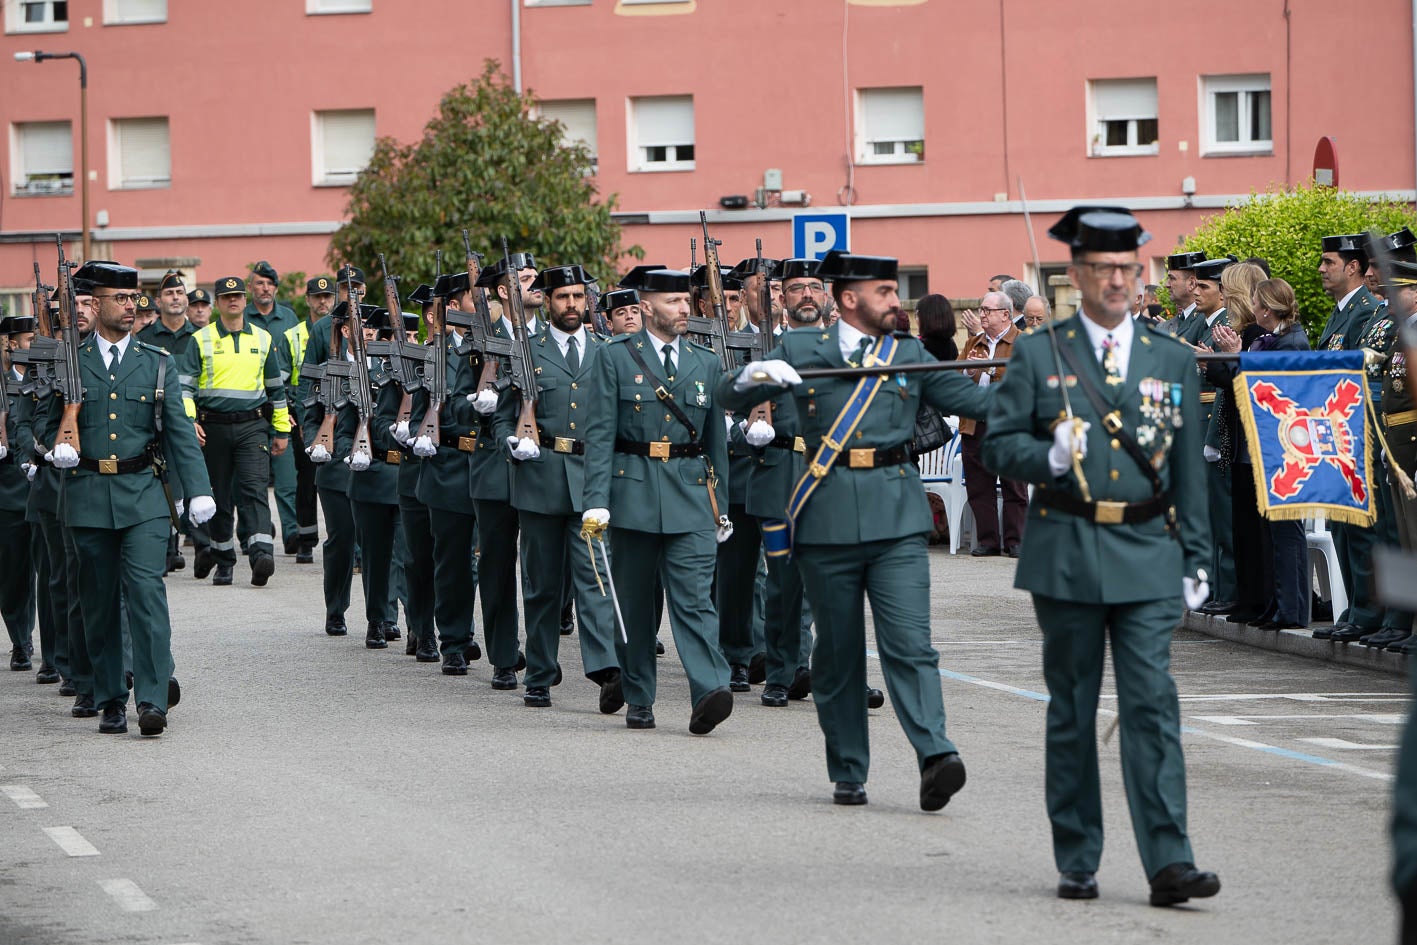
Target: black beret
[172,279]
[846,267]
[264,268]
[145,302]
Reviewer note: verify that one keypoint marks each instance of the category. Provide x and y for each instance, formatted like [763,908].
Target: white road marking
[1344,744]
[1393,718]
[126,893]
[71,841]
[1344,698]
[24,798]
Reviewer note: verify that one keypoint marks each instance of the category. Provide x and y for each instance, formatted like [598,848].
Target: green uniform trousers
[455,603]
[1153,769]
[283,480]
[418,568]
[782,620]
[1354,546]
[239,464]
[734,587]
[337,553]
[1386,534]
[1222,560]
[684,565]
[895,575]
[127,562]
[376,525]
[58,597]
[53,647]
[497,579]
[17,599]
[1404,821]
[553,554]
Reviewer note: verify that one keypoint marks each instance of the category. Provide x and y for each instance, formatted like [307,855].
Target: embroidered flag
[1303,413]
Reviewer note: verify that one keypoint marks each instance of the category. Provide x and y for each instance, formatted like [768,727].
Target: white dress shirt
[563,341]
[1122,334]
[105,346]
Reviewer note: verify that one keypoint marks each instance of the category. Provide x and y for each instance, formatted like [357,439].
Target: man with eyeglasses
[995,341]
[1118,540]
[1036,311]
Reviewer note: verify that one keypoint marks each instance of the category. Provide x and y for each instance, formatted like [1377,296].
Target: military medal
[1175,405]
[700,398]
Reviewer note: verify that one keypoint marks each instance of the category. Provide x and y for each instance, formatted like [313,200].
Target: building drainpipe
[517,43]
[1414,86]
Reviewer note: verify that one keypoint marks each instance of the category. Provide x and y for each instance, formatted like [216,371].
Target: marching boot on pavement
[858,519]
[320,299]
[1132,570]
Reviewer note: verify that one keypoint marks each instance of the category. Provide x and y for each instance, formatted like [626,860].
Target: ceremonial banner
[1305,426]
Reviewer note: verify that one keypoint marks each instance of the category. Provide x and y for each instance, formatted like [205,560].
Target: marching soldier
[858,519]
[622,311]
[172,332]
[320,300]
[17,576]
[277,318]
[655,443]
[231,375]
[1130,521]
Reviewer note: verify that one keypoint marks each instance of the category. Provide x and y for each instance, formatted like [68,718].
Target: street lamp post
[38,56]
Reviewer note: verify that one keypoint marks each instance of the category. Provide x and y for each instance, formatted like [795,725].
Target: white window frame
[911,273]
[337,7]
[556,3]
[1245,86]
[637,3]
[117,180]
[1097,133]
[17,302]
[904,150]
[15,21]
[20,186]
[593,144]
[113,15]
[638,160]
[320,175]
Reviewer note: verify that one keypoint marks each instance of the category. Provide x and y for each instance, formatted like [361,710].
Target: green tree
[1286,227]
[486,164]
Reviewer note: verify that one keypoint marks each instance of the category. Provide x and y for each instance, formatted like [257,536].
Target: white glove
[484,401]
[777,372]
[399,431]
[4,451]
[178,506]
[425,447]
[595,517]
[201,510]
[1060,454]
[318,454]
[1194,592]
[30,469]
[760,433]
[64,456]
[358,461]
[1211,454]
[724,530]
[523,448]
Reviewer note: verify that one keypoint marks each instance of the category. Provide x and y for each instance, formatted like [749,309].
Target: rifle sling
[673,407]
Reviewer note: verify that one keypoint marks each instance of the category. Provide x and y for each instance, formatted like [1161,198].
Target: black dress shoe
[1349,634]
[174,692]
[1077,886]
[738,678]
[292,545]
[1181,882]
[504,677]
[1383,637]
[427,651]
[1326,633]
[410,646]
[472,652]
[612,693]
[305,556]
[849,793]
[391,629]
[176,563]
[66,688]
[941,780]
[639,716]
[115,719]
[1218,608]
[262,567]
[1243,616]
[202,563]
[568,627]
[715,706]
[20,660]
[758,669]
[537,697]
[801,686]
[1407,647]
[151,719]
[83,708]
[658,647]
[374,637]
[47,675]
[875,698]
[1012,551]
[454,664]
[521,662]
[335,626]
[775,697]
[984,551]
[222,578]
[559,676]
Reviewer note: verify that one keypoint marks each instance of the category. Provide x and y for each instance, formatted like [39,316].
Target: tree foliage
[1286,227]
[486,164]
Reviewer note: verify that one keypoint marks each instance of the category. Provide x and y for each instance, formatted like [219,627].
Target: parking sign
[818,233]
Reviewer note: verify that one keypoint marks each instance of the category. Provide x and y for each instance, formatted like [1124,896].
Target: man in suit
[1117,539]
[547,490]
[859,519]
[655,445]
[115,504]
[994,342]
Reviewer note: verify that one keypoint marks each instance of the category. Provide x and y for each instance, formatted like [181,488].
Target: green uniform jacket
[1397,398]
[490,477]
[14,485]
[1211,411]
[858,505]
[553,483]
[666,497]
[1345,326]
[32,424]
[117,421]
[776,470]
[444,481]
[173,342]
[280,321]
[1069,557]
[1379,335]
[378,483]
[386,410]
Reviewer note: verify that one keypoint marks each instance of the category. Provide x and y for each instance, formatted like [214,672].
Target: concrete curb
[1297,643]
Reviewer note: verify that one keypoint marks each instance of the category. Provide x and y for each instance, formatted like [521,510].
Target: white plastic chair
[1323,562]
[942,472]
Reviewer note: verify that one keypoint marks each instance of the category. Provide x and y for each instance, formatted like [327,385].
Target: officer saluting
[1117,536]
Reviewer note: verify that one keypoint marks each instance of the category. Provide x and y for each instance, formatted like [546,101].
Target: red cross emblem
[1311,436]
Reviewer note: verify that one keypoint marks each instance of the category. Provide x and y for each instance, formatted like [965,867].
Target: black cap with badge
[231,285]
[199,296]
[144,302]
[172,279]
[320,285]
[349,274]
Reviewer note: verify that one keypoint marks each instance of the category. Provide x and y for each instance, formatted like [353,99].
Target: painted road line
[71,841]
[1383,719]
[126,893]
[24,798]
[1343,744]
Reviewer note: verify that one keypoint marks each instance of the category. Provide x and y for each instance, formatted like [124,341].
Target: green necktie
[668,350]
[573,355]
[115,357]
[859,357]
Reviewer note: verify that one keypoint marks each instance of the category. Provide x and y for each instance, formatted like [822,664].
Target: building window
[1237,117]
[339,6]
[138,154]
[1124,117]
[913,283]
[578,118]
[42,158]
[36,16]
[662,133]
[130,12]
[890,126]
[342,143]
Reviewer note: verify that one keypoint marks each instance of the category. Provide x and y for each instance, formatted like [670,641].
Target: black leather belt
[563,444]
[658,449]
[390,457]
[466,442]
[784,442]
[222,416]
[1104,513]
[869,458]
[113,467]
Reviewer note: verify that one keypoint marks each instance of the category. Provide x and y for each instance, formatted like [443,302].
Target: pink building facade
[224,133]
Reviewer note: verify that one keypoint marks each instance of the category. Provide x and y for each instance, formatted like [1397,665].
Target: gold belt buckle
[1109,513]
[562,444]
[467,444]
[108,467]
[799,445]
[659,450]
[393,457]
[1113,421]
[861,459]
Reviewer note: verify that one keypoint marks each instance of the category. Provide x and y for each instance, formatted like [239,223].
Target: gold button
[1116,444]
[1116,475]
[1042,513]
[113,416]
[113,436]
[665,439]
[110,397]
[143,397]
[811,390]
[575,386]
[573,405]
[858,434]
[620,473]
[112,377]
[573,426]
[637,396]
[667,418]
[112,455]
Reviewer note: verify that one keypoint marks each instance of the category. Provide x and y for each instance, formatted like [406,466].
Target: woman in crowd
[937,326]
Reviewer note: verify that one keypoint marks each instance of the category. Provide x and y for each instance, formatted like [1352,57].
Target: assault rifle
[436,381]
[523,375]
[764,340]
[593,312]
[484,339]
[45,355]
[360,391]
[716,329]
[331,385]
[406,362]
[68,381]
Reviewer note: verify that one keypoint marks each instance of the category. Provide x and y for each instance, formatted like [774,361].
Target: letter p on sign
[816,234]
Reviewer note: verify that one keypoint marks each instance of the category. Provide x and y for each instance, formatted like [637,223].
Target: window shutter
[578,117]
[1123,99]
[143,151]
[348,141]
[664,121]
[46,147]
[893,114]
[139,11]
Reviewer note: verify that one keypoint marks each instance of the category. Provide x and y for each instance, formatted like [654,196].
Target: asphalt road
[311,791]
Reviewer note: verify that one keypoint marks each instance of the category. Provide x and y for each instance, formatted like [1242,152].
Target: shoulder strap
[1111,420]
[663,394]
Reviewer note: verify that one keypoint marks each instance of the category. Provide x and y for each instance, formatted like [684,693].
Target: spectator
[1259,261]
[996,284]
[1036,311]
[1019,292]
[936,318]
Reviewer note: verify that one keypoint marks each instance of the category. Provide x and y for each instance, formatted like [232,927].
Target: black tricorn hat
[1400,245]
[422,295]
[847,267]
[320,285]
[16,324]
[349,274]
[1210,269]
[1346,243]
[664,280]
[172,279]
[1183,262]
[799,268]
[106,273]
[634,279]
[450,284]
[498,270]
[411,321]
[753,265]
[1100,230]
[1402,272]
[618,298]
[558,277]
[369,314]
[198,295]
[731,279]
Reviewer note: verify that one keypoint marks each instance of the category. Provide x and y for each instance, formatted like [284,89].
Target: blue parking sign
[816,234]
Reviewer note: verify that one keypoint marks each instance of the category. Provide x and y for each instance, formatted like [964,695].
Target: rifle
[40,300]
[593,312]
[45,355]
[523,378]
[719,333]
[69,383]
[331,377]
[407,362]
[359,389]
[437,384]
[488,346]
[693,254]
[764,340]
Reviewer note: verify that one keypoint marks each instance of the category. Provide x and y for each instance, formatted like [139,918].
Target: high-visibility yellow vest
[297,338]
[231,369]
